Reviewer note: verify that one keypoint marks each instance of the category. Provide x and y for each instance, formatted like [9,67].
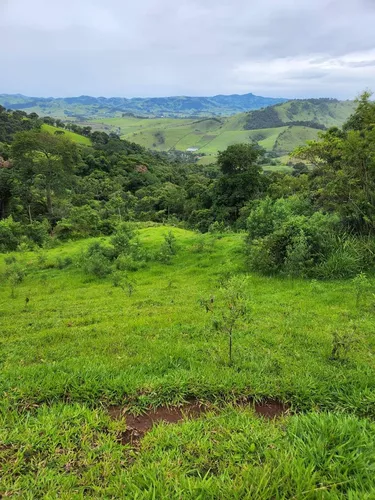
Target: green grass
[292,137]
[332,114]
[211,135]
[81,344]
[208,135]
[79,139]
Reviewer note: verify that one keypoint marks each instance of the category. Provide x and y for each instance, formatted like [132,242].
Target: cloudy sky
[289,48]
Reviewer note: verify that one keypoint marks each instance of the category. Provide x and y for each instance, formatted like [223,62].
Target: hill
[279,129]
[80,358]
[77,138]
[12,122]
[313,113]
[178,106]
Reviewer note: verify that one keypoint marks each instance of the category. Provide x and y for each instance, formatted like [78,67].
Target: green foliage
[362,287]
[122,238]
[48,159]
[10,234]
[79,347]
[82,222]
[342,344]
[96,261]
[168,249]
[284,242]
[37,232]
[343,179]
[230,309]
[14,274]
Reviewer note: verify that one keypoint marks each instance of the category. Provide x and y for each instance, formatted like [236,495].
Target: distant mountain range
[181,106]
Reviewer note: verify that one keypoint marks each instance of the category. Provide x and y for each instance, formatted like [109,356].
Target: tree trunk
[49,200]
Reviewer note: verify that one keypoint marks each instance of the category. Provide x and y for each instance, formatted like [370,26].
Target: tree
[240,158]
[51,159]
[343,179]
[364,116]
[240,180]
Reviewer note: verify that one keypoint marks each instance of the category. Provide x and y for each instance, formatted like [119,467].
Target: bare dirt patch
[138,425]
[271,409]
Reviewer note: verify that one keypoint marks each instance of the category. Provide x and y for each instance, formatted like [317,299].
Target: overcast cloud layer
[288,48]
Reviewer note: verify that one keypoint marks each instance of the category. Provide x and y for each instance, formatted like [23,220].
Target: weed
[15,275]
[342,344]
[362,287]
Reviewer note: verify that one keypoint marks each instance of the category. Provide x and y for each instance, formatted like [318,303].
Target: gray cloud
[195,47]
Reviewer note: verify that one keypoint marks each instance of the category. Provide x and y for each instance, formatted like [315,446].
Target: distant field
[79,139]
[280,128]
[206,136]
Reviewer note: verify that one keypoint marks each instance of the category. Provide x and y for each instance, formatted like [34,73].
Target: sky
[130,48]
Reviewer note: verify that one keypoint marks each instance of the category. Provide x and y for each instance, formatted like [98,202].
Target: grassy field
[73,345]
[79,139]
[209,135]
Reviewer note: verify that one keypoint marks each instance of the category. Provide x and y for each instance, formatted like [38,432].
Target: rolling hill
[279,129]
[179,106]
[77,138]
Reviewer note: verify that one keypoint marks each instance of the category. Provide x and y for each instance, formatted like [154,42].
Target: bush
[267,215]
[82,222]
[279,241]
[38,232]
[168,248]
[15,274]
[96,260]
[11,233]
[128,263]
[122,238]
[217,227]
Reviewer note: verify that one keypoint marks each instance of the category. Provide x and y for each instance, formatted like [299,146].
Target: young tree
[230,309]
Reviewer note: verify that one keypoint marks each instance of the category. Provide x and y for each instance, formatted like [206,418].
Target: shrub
[168,248]
[15,274]
[230,309]
[10,234]
[307,245]
[217,227]
[128,263]
[296,247]
[121,239]
[38,232]
[82,222]
[342,344]
[96,260]
[267,215]
[63,262]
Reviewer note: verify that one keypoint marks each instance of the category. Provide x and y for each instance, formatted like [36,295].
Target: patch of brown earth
[271,409]
[137,426]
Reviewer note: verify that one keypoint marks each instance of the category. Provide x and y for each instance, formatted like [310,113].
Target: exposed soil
[271,409]
[137,426]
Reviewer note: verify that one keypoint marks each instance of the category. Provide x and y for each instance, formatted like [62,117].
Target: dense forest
[318,222]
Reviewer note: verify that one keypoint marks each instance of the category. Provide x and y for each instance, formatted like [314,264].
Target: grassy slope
[213,135]
[79,139]
[82,343]
[328,114]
